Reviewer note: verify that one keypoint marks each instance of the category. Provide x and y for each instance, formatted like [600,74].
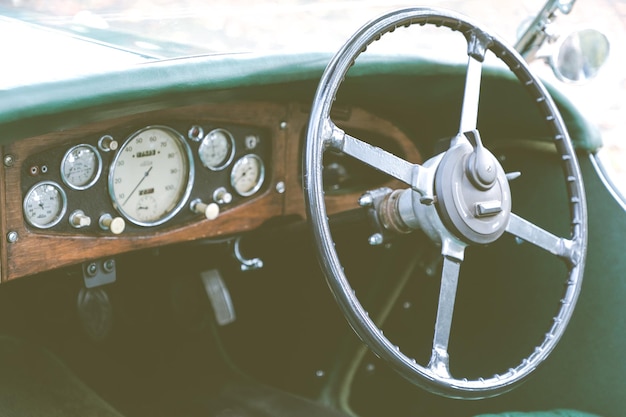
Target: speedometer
[151,176]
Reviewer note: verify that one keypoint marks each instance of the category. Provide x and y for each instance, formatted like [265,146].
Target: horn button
[473,194]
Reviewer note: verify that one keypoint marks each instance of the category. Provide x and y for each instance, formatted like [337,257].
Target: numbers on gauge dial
[217,149]
[81,167]
[151,176]
[44,205]
[247,175]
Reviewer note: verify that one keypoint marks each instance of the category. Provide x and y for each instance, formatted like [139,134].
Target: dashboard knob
[210,211]
[221,196]
[115,225]
[107,143]
[78,219]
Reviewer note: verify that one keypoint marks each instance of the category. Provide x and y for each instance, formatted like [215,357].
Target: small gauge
[247,175]
[251,141]
[147,207]
[217,149]
[81,167]
[44,205]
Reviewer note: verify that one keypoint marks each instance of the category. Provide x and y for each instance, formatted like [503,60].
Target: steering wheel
[459,198]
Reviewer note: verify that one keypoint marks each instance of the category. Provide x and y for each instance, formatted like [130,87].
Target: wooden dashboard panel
[26,250]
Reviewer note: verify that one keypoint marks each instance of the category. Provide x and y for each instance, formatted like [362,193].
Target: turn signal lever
[481,165]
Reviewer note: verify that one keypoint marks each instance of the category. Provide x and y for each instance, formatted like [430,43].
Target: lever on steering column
[481,165]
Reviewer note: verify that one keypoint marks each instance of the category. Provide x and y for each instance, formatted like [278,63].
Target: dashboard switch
[78,219]
[221,196]
[107,143]
[115,225]
[210,211]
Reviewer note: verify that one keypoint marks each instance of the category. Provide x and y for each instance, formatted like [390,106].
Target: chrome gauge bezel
[225,161]
[60,213]
[185,190]
[97,168]
[258,181]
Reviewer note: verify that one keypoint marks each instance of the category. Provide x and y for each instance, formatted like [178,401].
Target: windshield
[133,31]
[197,26]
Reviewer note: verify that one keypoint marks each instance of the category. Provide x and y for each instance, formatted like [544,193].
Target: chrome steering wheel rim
[323,134]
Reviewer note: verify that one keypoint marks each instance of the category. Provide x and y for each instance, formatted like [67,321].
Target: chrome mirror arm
[535,34]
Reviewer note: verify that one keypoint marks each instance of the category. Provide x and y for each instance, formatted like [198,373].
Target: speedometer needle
[145,175]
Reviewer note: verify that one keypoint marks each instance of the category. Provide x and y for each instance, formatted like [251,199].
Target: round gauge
[81,167]
[247,175]
[151,176]
[217,149]
[45,205]
[251,141]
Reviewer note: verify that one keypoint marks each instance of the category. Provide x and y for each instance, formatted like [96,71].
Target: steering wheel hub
[477,212]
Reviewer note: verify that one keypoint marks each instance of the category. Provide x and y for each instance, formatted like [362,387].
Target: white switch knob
[115,225]
[78,219]
[210,211]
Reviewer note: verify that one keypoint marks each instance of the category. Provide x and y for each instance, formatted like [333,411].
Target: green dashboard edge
[36,109]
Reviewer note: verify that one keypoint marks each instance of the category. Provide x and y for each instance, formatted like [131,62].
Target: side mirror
[580,56]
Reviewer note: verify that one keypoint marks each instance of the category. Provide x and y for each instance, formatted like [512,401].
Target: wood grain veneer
[41,250]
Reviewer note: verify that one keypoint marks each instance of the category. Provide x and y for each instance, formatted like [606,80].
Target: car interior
[189,237]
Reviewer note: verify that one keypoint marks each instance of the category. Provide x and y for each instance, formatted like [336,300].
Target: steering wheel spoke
[531,233]
[413,175]
[477,44]
[439,360]
[471,96]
